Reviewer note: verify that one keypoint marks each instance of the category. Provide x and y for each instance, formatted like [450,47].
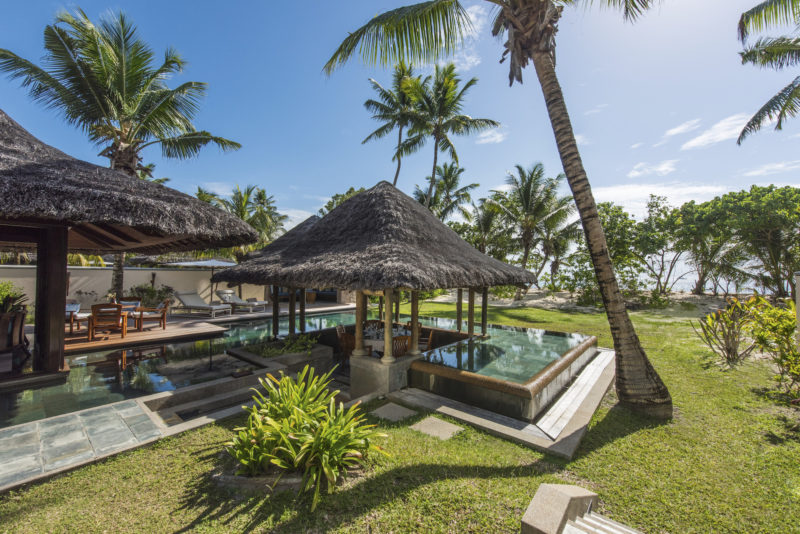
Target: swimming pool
[103,377]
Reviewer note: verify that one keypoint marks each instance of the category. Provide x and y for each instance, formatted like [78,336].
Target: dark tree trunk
[637,383]
[700,285]
[399,140]
[433,172]
[526,251]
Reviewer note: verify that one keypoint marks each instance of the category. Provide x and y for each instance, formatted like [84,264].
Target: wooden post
[361,315]
[292,311]
[380,307]
[459,314]
[51,299]
[303,309]
[276,311]
[397,296]
[414,349]
[387,329]
[471,312]
[484,311]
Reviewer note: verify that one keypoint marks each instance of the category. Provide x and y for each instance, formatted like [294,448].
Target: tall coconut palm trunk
[433,172]
[399,158]
[637,383]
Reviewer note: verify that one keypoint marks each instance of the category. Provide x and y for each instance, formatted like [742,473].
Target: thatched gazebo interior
[378,242]
[53,203]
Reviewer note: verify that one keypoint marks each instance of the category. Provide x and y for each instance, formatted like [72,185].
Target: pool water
[510,354]
[99,378]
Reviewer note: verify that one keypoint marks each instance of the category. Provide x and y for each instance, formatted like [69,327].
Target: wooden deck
[175,331]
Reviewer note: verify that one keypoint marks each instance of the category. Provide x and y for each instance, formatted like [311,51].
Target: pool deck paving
[41,448]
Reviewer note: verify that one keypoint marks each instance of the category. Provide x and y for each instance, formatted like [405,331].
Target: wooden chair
[400,345]
[427,345]
[373,322]
[340,330]
[107,317]
[74,316]
[157,314]
[14,350]
[347,342]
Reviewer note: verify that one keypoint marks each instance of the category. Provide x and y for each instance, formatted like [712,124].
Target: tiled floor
[43,446]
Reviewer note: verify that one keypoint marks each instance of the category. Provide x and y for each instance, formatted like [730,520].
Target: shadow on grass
[344,506]
[618,423]
[789,433]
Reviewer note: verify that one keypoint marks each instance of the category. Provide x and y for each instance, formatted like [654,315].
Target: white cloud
[634,197]
[774,168]
[726,129]
[223,189]
[295,217]
[645,169]
[686,127]
[597,109]
[634,146]
[582,140]
[479,16]
[491,137]
[466,59]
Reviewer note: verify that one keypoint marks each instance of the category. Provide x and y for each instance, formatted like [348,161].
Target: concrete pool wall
[521,401]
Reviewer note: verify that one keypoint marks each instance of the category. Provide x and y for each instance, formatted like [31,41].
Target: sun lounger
[190,301]
[229,296]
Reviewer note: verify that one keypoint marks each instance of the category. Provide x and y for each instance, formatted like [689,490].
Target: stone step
[610,523]
[183,412]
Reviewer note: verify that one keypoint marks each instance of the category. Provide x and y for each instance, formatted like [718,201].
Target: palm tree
[393,108]
[529,202]
[772,52]
[448,197]
[485,219]
[145,172]
[256,208]
[425,32]
[102,79]
[557,239]
[207,196]
[437,115]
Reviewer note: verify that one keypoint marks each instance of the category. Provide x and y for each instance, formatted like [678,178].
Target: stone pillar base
[370,375]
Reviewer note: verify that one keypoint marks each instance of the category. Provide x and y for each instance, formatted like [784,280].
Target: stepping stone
[433,426]
[393,412]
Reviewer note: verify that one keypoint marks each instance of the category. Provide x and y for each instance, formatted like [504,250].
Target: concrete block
[554,505]
[371,375]
[393,412]
[437,428]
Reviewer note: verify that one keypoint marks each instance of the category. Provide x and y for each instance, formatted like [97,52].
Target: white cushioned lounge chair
[191,301]
[229,296]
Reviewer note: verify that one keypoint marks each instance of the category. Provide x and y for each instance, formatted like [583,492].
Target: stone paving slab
[393,412]
[41,447]
[433,426]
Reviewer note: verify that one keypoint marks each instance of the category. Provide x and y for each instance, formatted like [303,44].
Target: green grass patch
[728,462]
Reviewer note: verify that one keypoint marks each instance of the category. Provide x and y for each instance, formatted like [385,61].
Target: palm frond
[774,52]
[783,105]
[189,144]
[768,14]
[419,33]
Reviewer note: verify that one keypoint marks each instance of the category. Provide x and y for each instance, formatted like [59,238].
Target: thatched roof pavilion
[55,203]
[106,210]
[380,240]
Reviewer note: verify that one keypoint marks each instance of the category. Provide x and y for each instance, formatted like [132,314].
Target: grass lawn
[728,462]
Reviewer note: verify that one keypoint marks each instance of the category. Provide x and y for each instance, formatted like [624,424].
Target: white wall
[98,280]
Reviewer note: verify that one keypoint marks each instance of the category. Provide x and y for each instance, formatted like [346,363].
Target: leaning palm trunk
[433,172]
[637,383]
[399,158]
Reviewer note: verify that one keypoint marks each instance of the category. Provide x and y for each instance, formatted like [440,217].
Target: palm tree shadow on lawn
[341,507]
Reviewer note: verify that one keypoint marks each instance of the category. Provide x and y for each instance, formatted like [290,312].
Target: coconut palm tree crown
[772,52]
[426,32]
[393,108]
[103,79]
[449,196]
[437,115]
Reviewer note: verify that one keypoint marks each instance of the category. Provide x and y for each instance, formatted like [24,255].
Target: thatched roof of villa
[286,240]
[106,210]
[378,239]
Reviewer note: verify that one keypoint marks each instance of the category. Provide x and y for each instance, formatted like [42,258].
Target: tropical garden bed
[726,463]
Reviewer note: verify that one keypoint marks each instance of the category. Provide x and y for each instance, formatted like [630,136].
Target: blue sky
[656,104]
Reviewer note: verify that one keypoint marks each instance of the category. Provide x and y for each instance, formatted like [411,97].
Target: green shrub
[12,298]
[774,330]
[427,295]
[149,295]
[298,426]
[503,292]
[724,332]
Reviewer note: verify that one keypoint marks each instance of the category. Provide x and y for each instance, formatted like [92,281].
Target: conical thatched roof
[106,210]
[378,239]
[286,240]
